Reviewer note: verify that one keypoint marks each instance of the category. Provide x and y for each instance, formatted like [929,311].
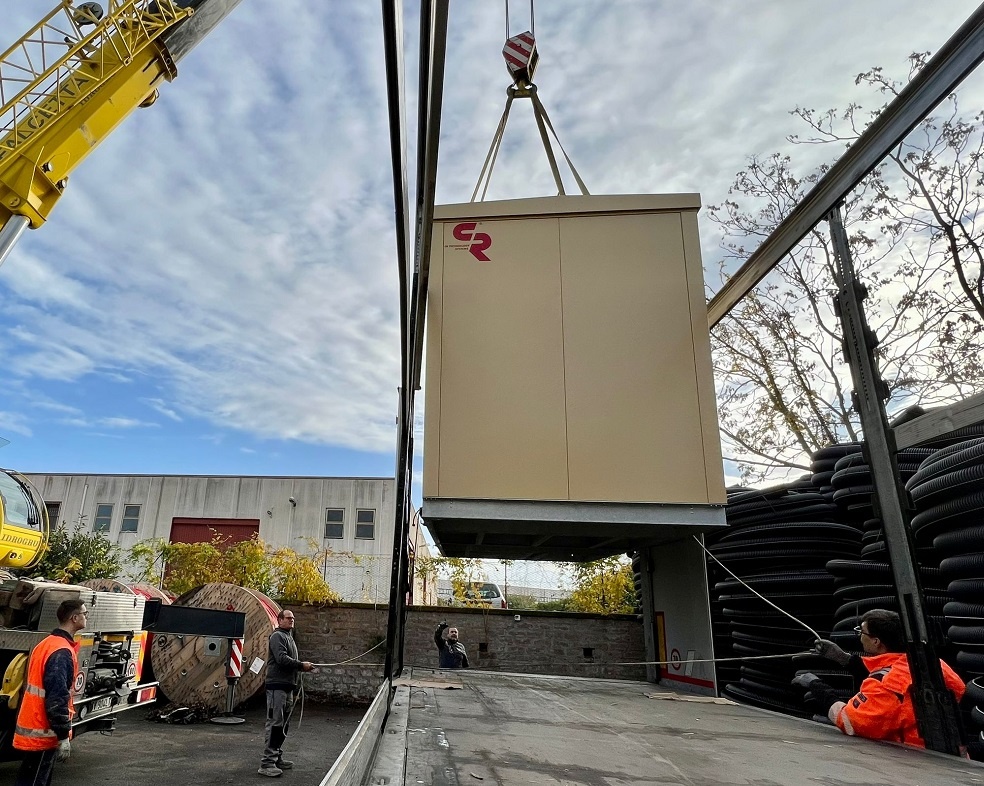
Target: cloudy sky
[216,293]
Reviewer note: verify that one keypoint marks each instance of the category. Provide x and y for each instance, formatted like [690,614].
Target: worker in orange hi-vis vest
[882,709]
[44,721]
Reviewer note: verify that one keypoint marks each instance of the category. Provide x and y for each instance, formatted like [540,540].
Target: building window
[54,511]
[365,524]
[131,518]
[104,515]
[334,527]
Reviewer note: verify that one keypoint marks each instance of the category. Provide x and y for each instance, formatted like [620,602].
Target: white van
[486,593]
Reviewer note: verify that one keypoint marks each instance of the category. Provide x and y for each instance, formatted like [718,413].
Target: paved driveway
[145,753]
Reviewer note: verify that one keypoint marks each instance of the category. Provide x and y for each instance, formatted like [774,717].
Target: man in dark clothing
[44,719]
[451,652]
[282,681]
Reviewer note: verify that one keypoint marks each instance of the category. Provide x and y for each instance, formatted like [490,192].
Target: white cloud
[159,405]
[234,243]
[13,423]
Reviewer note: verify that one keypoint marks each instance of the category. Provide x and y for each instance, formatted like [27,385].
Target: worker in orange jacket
[882,709]
[44,721]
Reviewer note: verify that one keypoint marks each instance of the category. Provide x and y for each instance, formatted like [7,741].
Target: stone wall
[580,645]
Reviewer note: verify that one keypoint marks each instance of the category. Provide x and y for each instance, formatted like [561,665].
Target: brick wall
[581,645]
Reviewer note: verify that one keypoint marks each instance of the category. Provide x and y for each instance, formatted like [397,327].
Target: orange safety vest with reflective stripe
[32,731]
[882,709]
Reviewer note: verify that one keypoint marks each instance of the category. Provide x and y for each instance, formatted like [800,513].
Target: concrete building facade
[352,518]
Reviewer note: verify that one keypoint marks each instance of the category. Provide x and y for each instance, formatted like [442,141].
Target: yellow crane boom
[64,90]
[73,78]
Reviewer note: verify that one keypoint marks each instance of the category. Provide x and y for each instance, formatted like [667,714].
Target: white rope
[781,611]
[343,662]
[639,662]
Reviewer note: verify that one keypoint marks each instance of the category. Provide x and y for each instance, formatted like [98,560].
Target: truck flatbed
[451,728]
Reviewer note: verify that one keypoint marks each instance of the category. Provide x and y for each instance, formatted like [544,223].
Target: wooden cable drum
[108,585]
[192,669]
[150,592]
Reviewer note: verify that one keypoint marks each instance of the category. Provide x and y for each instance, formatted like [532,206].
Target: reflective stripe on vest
[32,732]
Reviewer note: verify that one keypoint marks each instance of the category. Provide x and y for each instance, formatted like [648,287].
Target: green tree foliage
[77,555]
[603,586]
[520,602]
[282,573]
[465,574]
[917,237]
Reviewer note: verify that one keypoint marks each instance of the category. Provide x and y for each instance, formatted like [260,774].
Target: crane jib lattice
[58,65]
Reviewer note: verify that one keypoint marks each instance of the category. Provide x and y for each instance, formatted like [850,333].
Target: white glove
[64,750]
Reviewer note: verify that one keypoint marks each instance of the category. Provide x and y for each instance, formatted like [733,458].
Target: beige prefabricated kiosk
[569,399]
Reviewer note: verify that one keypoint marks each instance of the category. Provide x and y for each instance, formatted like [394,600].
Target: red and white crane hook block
[521,57]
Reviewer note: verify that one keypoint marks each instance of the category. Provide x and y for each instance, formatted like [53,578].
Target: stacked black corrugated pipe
[946,479]
[867,583]
[948,492]
[778,542]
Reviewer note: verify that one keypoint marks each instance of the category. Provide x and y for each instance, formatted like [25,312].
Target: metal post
[10,233]
[234,670]
[936,710]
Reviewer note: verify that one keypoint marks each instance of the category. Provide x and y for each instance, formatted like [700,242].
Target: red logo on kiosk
[478,242]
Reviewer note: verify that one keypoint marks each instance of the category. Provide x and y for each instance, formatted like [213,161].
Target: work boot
[285,765]
[270,771]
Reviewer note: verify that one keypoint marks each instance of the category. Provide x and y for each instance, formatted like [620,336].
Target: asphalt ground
[146,753]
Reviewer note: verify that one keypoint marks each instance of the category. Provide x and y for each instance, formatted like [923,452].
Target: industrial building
[352,518]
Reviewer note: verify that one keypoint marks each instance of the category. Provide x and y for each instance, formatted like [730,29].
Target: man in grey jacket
[282,681]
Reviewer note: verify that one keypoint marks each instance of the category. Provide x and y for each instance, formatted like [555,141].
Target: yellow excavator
[23,522]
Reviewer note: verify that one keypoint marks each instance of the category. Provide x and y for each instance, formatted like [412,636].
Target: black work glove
[827,649]
[806,680]
[822,694]
[442,626]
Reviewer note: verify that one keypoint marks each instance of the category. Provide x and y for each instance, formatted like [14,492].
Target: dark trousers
[36,768]
[280,704]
